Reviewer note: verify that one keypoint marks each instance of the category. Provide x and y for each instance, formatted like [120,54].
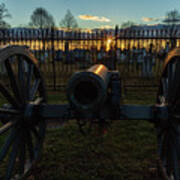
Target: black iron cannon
[92,94]
[87,91]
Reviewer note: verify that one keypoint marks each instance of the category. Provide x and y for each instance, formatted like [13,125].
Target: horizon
[135,27]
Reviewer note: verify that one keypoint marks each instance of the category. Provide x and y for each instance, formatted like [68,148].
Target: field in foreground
[126,152]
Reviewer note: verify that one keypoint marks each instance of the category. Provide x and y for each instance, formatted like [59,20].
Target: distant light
[108,45]
[109,41]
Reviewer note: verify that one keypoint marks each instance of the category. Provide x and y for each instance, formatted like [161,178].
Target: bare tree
[68,21]
[127,24]
[41,18]
[4,14]
[172,19]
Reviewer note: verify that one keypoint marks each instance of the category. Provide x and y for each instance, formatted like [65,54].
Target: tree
[172,19]
[4,14]
[41,18]
[127,24]
[68,21]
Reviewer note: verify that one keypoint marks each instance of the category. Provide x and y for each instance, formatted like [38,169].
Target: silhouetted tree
[41,18]
[4,14]
[127,24]
[68,21]
[172,19]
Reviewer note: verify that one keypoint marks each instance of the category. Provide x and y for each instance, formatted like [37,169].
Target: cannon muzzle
[87,90]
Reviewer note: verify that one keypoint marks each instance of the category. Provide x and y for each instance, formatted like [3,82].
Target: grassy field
[126,152]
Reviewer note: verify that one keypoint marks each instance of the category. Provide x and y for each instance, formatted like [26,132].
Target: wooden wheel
[168,132]
[21,132]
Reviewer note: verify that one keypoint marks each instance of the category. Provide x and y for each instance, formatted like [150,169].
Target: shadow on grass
[126,152]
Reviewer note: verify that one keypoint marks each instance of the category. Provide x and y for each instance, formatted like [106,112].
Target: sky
[93,13]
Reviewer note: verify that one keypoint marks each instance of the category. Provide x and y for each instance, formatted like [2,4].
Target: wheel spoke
[6,127]
[175,141]
[7,144]
[22,156]
[29,79]
[163,149]
[21,78]
[175,158]
[39,140]
[165,87]
[36,134]
[176,84]
[34,89]
[12,159]
[37,146]
[168,157]
[37,101]
[42,129]
[169,78]
[30,145]
[160,139]
[176,169]
[41,132]
[20,71]
[9,111]
[8,96]
[13,81]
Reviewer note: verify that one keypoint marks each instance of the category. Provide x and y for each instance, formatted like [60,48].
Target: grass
[62,72]
[125,152]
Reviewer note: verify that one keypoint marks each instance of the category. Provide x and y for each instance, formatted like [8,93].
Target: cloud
[106,27]
[86,17]
[151,19]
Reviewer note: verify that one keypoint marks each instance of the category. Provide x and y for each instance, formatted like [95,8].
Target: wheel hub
[28,112]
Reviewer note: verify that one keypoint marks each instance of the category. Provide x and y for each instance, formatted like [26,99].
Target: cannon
[87,90]
[94,97]
[90,91]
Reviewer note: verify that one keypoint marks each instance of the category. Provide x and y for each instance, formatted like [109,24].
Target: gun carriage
[94,97]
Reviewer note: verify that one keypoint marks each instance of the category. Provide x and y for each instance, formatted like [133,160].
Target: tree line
[40,18]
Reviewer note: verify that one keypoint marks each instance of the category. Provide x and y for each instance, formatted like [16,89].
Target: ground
[127,151]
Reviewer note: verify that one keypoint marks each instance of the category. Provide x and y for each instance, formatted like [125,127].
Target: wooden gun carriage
[94,96]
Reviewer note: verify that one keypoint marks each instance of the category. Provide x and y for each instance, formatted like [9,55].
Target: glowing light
[99,69]
[108,45]
[109,41]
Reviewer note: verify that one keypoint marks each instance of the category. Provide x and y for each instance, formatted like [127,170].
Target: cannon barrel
[87,90]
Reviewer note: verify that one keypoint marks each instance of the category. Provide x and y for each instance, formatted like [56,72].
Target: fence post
[53,57]
[115,48]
